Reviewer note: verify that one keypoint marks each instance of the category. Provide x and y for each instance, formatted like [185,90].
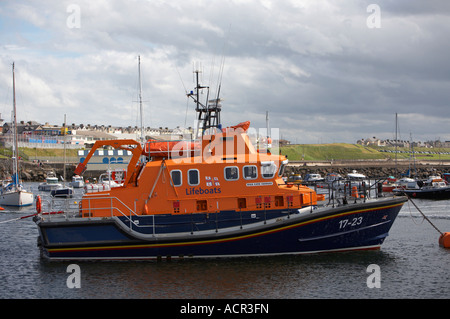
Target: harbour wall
[371,168]
[37,171]
[32,171]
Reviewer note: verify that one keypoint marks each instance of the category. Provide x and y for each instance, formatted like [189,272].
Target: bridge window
[231,173]
[268,169]
[250,172]
[282,166]
[193,177]
[176,177]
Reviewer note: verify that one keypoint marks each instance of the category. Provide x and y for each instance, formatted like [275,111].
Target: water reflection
[288,277]
[411,262]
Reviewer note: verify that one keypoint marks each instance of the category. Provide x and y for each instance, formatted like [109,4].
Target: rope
[32,215]
[426,218]
[412,217]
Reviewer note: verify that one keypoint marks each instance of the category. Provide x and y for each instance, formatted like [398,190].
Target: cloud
[314,65]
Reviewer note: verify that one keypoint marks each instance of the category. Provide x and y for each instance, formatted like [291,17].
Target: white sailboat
[12,192]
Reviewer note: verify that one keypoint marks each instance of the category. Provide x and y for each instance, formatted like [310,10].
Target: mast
[208,113]
[64,141]
[140,101]
[396,143]
[268,140]
[15,143]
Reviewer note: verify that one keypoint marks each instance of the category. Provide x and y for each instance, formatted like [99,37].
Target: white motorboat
[51,183]
[77,182]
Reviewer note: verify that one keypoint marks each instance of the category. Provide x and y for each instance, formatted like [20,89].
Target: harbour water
[410,265]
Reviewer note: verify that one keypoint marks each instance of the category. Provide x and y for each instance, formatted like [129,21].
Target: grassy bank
[297,152]
[32,153]
[322,152]
[342,151]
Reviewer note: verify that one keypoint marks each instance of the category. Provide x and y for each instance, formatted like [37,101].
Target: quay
[32,171]
[371,168]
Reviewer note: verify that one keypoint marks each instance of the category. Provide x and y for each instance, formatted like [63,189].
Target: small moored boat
[51,183]
[433,188]
[12,192]
[77,182]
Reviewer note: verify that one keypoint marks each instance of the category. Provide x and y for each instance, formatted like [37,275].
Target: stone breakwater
[37,172]
[34,171]
[371,169]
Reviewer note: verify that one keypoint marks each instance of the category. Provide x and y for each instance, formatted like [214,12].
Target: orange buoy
[1,208]
[444,240]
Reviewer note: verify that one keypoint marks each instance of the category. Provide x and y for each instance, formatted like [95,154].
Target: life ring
[38,204]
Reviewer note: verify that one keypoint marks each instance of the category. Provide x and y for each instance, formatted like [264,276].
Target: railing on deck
[346,191]
[70,207]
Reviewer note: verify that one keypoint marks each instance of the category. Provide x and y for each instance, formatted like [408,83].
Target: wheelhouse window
[268,169]
[231,173]
[250,172]
[282,167]
[176,177]
[193,177]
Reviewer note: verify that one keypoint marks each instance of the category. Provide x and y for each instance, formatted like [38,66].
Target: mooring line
[426,218]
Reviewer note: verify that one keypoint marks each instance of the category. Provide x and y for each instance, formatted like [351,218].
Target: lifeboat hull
[361,226]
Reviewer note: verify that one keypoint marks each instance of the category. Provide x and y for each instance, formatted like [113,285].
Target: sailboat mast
[140,100]
[15,143]
[64,141]
[396,142]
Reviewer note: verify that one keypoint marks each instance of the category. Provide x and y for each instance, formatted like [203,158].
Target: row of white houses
[35,135]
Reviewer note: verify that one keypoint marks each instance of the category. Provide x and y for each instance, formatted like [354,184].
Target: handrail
[112,208]
[112,198]
[342,190]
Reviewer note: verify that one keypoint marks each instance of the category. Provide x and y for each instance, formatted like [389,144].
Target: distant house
[371,141]
[89,137]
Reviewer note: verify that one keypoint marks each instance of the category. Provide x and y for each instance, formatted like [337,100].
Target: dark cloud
[316,66]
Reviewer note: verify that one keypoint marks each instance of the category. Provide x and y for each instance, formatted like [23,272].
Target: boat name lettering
[350,222]
[201,191]
[260,184]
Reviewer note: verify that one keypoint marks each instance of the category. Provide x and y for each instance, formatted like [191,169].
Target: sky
[327,71]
